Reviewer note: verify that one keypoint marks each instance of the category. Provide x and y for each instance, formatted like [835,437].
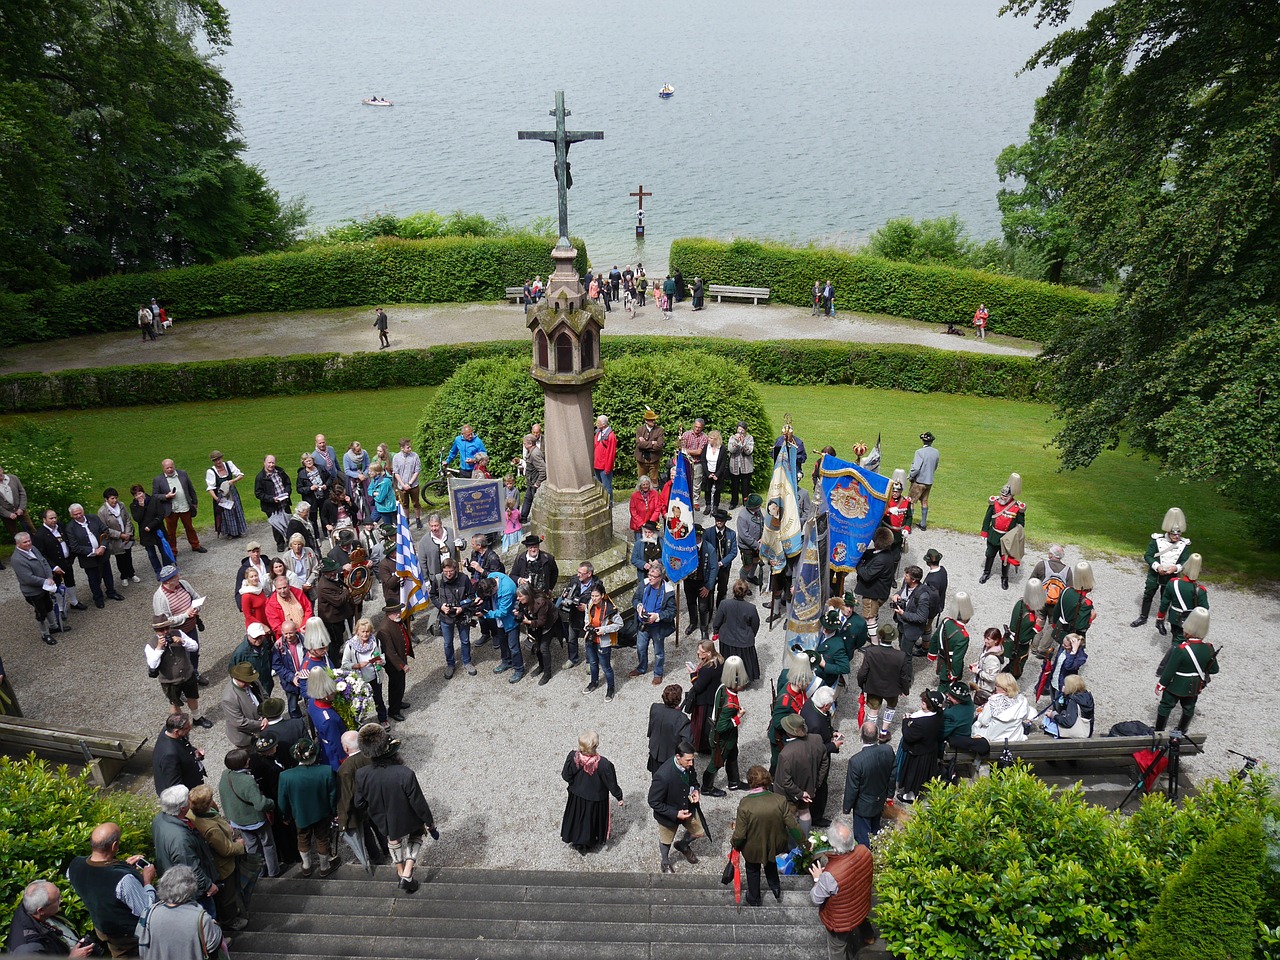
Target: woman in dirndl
[228,514]
[591,778]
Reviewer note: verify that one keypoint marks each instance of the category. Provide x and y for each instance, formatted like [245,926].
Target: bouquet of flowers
[354,699]
[808,851]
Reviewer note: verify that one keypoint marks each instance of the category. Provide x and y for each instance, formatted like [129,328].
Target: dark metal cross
[640,193]
[563,139]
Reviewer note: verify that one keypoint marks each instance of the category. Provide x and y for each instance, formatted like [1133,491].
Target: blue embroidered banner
[856,500]
[805,606]
[679,544]
[477,506]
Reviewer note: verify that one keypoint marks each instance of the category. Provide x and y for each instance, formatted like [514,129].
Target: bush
[39,454]
[936,294]
[46,818]
[440,270]
[916,369]
[1010,867]
[1207,910]
[501,400]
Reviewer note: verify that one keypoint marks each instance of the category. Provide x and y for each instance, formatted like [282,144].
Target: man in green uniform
[1003,528]
[949,645]
[1075,612]
[1023,626]
[1181,595]
[1188,671]
[793,686]
[853,626]
[1166,553]
[831,656]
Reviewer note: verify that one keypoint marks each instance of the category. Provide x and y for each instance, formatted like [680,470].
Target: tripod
[1249,764]
[1172,749]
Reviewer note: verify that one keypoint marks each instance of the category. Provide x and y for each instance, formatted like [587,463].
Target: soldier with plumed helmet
[949,645]
[1003,528]
[1075,613]
[1187,672]
[1181,595]
[1166,553]
[1024,624]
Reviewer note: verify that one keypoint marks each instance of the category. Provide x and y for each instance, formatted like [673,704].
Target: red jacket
[605,450]
[645,508]
[254,608]
[275,614]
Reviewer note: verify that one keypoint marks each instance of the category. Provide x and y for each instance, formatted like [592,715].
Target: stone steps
[464,914]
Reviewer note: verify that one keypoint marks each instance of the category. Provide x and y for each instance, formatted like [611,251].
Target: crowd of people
[629,286]
[299,765]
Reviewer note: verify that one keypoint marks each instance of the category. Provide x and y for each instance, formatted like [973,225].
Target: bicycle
[435,492]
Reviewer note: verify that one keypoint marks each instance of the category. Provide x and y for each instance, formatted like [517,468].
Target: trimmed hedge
[388,270]
[917,369]
[1019,308]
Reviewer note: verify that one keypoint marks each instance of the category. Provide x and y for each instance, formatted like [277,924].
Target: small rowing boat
[377,102]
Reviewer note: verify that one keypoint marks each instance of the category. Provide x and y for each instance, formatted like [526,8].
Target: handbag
[686,705]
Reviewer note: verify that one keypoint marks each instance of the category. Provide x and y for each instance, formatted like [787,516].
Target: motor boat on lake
[377,102]
[667,91]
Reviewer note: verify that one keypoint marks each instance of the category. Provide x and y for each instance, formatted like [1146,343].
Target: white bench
[754,294]
[515,294]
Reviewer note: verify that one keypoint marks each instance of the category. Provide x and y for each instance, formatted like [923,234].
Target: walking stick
[677,633]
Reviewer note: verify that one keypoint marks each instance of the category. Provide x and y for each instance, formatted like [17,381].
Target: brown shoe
[687,854]
[635,673]
[657,681]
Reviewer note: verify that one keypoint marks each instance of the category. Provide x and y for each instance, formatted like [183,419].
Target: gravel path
[489,753]
[415,326]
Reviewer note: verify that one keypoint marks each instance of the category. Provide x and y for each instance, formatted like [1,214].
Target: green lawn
[1110,508]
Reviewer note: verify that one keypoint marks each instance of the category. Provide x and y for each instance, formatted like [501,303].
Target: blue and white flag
[781,538]
[412,592]
[804,610]
[856,499]
[679,543]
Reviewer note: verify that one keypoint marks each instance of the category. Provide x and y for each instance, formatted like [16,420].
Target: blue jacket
[329,731]
[383,492]
[666,613]
[504,600]
[465,450]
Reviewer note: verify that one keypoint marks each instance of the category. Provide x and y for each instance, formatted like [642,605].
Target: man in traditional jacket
[1024,624]
[949,645]
[1075,612]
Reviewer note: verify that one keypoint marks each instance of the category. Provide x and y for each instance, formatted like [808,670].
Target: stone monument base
[578,526]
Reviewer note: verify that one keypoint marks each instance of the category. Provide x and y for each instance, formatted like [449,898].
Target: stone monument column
[571,509]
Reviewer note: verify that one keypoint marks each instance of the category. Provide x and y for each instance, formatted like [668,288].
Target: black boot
[1184,721]
[1162,721]
[1004,576]
[986,571]
[1161,628]
[1146,611]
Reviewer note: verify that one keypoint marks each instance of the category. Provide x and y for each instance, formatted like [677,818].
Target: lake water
[793,121]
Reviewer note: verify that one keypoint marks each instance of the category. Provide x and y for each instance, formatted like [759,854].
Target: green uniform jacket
[724,731]
[855,635]
[1074,614]
[309,794]
[952,635]
[1180,597]
[957,720]
[763,822]
[1022,625]
[1180,677]
[835,652]
[988,522]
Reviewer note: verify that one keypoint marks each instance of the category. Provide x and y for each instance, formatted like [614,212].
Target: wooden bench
[754,294]
[103,752]
[515,294]
[1041,749]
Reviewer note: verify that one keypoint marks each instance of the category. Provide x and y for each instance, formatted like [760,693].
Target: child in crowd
[511,532]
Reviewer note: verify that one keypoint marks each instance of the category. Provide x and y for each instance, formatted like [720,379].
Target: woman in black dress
[591,779]
[705,678]
[735,625]
[920,746]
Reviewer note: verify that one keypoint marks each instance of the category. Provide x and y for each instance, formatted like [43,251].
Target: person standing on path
[669,292]
[389,793]
[604,453]
[380,324]
[817,297]
[650,440]
[923,467]
[147,323]
[829,300]
[842,893]
[980,320]
[177,495]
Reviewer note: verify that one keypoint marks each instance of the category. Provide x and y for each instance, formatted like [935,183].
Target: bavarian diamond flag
[679,545]
[856,499]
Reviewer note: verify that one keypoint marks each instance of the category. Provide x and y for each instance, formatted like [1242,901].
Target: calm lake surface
[793,121]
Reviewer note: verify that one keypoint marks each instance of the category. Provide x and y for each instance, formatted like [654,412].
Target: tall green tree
[1167,120]
[118,143]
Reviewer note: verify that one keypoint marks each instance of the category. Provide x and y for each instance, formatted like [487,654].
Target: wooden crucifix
[640,193]
[563,139]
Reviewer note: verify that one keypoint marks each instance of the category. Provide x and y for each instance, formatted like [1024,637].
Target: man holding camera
[169,661]
[115,892]
[36,928]
[455,599]
[572,606]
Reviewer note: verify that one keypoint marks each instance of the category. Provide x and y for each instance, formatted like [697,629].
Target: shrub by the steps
[1020,308]
[46,818]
